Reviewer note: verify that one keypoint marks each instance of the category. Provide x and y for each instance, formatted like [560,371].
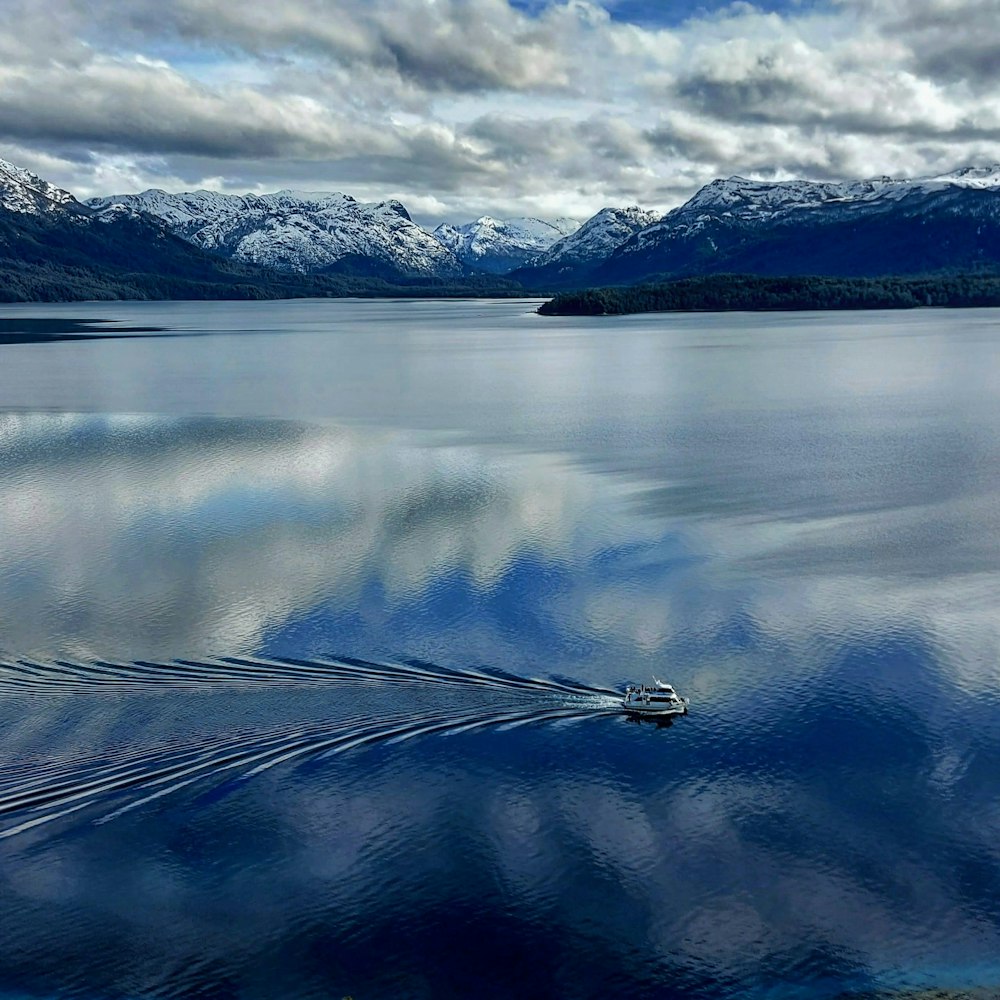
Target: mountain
[198,245]
[26,194]
[500,245]
[589,245]
[307,233]
[873,227]
[55,248]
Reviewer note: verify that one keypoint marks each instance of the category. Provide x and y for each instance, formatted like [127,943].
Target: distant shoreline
[751,293]
[46,330]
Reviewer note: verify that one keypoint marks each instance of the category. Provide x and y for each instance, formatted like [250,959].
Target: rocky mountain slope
[302,232]
[872,227]
[54,248]
[854,228]
[22,192]
[500,245]
[589,245]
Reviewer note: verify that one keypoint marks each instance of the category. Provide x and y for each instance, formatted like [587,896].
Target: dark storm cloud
[860,86]
[759,97]
[786,102]
[517,142]
[977,61]
[766,152]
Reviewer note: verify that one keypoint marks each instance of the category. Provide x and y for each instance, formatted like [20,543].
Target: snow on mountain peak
[598,236]
[748,197]
[987,176]
[499,245]
[395,207]
[735,193]
[23,191]
[295,230]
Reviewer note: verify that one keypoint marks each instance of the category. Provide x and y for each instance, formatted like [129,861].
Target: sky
[461,108]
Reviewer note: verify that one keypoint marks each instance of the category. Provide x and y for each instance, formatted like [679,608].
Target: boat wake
[66,676]
[104,787]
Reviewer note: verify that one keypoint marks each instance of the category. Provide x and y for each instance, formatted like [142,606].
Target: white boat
[658,699]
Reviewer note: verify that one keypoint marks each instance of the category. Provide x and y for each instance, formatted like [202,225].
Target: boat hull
[649,711]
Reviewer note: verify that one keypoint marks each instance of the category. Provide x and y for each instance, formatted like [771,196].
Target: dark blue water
[310,628]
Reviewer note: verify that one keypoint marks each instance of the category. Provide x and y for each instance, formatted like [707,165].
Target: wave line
[160,775]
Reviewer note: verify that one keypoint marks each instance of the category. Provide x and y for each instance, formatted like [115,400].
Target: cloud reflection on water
[142,537]
[807,817]
[797,529]
[633,862]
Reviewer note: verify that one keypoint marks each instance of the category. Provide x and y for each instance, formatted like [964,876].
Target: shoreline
[753,293]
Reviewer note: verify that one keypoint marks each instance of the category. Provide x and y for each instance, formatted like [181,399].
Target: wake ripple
[34,794]
[66,676]
[66,788]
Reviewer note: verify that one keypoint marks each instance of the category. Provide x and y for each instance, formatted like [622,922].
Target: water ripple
[64,676]
[34,795]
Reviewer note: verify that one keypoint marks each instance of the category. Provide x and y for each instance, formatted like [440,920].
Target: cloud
[848,88]
[952,41]
[147,107]
[473,106]
[447,45]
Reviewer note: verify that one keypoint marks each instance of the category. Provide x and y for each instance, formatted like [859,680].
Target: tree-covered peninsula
[734,292]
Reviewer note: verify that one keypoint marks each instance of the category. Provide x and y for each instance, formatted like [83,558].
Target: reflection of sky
[141,537]
[795,479]
[800,530]
[805,849]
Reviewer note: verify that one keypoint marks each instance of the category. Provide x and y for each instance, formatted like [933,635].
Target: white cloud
[461,107]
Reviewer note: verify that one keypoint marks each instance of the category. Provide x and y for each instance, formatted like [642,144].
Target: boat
[656,699]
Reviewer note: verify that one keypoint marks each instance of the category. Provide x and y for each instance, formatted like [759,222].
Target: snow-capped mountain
[761,201]
[599,235]
[500,245]
[205,244]
[53,248]
[869,227]
[295,231]
[986,177]
[21,191]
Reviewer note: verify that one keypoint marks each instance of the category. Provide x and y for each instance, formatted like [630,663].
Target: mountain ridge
[598,237]
[872,227]
[205,243]
[293,231]
[500,245]
[55,248]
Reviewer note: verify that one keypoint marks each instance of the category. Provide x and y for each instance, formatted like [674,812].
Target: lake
[313,615]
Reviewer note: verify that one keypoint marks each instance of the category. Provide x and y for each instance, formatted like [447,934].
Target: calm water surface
[310,621]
